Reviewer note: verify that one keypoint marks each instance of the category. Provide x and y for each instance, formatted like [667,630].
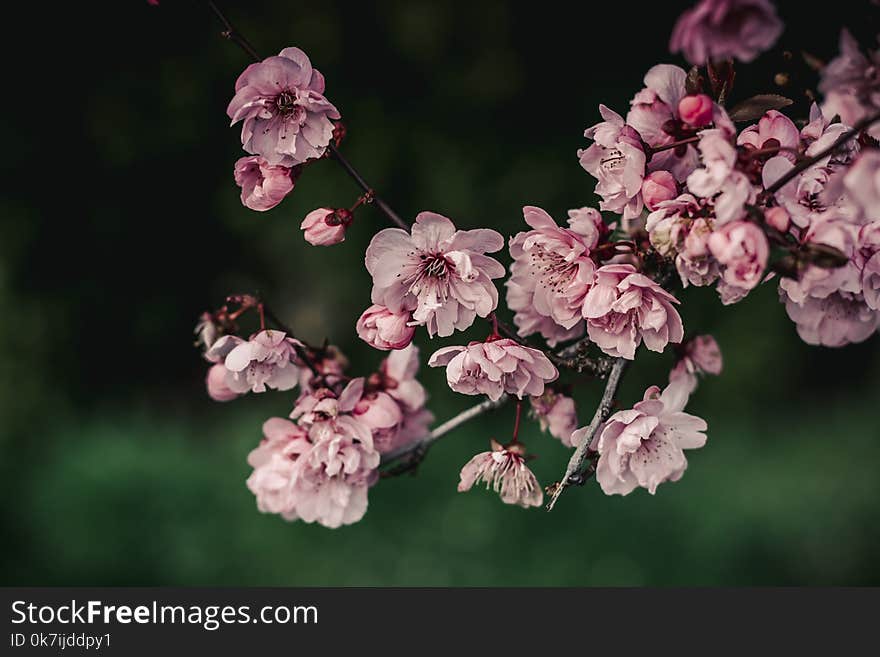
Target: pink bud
[382,329]
[326,226]
[696,110]
[216,382]
[777,218]
[657,187]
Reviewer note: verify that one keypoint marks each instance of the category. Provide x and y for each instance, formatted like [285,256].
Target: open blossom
[398,377]
[438,273]
[552,269]
[774,130]
[718,177]
[742,249]
[861,183]
[262,186]
[625,308]
[382,329]
[804,198]
[827,305]
[556,413]
[700,355]
[505,471]
[617,160]
[326,226]
[644,446]
[654,114]
[495,367]
[280,101]
[694,263]
[851,85]
[267,360]
[274,463]
[724,29]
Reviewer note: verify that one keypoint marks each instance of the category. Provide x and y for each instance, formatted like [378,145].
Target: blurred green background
[121,223]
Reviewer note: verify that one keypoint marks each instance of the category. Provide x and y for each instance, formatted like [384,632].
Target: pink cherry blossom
[529,321]
[696,110]
[556,414]
[654,114]
[871,282]
[326,226]
[625,308]
[552,268]
[699,355]
[280,101]
[742,249]
[657,187]
[718,177]
[644,446]
[774,130]
[617,160]
[505,471]
[438,273]
[382,329]
[851,85]
[398,372]
[804,198]
[778,218]
[724,29]
[495,367]
[274,463]
[862,183]
[267,360]
[262,186]
[207,331]
[218,389]
[694,262]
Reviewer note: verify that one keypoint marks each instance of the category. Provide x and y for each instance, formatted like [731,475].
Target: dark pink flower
[262,186]
[657,187]
[625,308]
[696,110]
[286,118]
[724,29]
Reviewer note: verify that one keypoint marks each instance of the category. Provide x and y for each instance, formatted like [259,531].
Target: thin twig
[443,429]
[229,32]
[602,412]
[806,164]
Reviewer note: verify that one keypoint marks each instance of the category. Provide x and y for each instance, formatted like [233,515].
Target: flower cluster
[701,194]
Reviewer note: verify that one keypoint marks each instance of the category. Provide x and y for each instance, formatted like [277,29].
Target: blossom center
[285,104]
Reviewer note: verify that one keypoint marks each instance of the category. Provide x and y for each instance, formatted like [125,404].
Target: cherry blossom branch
[420,446]
[576,462]
[825,152]
[239,39]
[674,144]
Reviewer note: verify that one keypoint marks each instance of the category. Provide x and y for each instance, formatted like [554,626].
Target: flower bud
[657,187]
[696,110]
[218,389]
[382,329]
[777,218]
[325,226]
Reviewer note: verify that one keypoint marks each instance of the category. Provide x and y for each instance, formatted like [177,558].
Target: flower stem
[516,423]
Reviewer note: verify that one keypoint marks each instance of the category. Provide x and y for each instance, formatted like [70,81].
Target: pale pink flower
[778,218]
[644,446]
[215,381]
[625,308]
[851,84]
[262,186]
[383,415]
[871,282]
[862,183]
[556,413]
[529,321]
[398,372]
[286,118]
[724,29]
[274,462]
[696,110]
[654,114]
[382,329]
[505,471]
[326,226]
[804,198]
[588,223]
[774,130]
[495,367]
[438,273]
[657,187]
[552,269]
[694,262]
[330,364]
[667,224]
[718,178]
[742,249]
[699,355]
[207,331]
[617,160]
[267,360]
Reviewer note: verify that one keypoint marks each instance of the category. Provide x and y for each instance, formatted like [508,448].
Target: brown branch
[421,446]
[806,164]
[602,412]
